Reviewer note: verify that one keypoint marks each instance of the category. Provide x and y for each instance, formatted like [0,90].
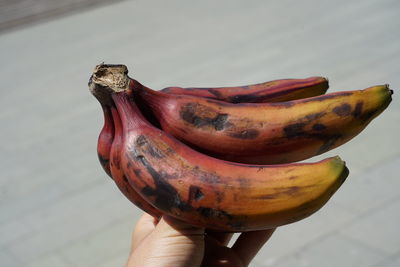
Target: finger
[219,256]
[214,253]
[169,226]
[249,243]
[222,238]
[143,228]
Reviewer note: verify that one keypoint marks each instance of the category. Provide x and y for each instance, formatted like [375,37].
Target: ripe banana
[272,91]
[105,139]
[117,173]
[205,191]
[108,151]
[266,133]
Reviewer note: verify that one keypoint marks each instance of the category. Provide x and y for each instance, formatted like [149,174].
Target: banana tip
[344,174]
[338,162]
[388,88]
[341,169]
[338,158]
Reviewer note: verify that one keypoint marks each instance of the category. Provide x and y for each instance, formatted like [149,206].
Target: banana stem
[107,79]
[131,117]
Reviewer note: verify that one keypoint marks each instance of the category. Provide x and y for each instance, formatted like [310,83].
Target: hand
[170,242]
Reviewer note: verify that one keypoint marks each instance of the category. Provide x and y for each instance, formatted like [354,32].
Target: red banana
[272,91]
[118,174]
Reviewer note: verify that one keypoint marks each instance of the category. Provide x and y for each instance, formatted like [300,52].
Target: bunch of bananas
[222,158]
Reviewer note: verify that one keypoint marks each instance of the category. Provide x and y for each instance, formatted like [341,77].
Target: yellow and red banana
[105,139]
[117,173]
[266,133]
[108,147]
[272,91]
[205,191]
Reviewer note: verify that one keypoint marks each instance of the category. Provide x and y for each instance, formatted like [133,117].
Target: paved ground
[57,206]
[21,13]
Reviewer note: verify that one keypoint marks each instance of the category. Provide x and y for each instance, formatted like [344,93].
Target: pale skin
[170,242]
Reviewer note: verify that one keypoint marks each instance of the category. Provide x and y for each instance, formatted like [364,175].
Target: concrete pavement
[57,206]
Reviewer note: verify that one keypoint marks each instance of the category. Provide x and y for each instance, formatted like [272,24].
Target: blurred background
[58,207]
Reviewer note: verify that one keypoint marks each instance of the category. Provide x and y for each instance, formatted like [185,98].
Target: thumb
[173,243]
[170,227]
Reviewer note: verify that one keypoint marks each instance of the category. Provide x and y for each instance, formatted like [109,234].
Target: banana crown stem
[107,79]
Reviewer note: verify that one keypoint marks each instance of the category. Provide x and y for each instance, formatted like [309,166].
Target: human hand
[170,242]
